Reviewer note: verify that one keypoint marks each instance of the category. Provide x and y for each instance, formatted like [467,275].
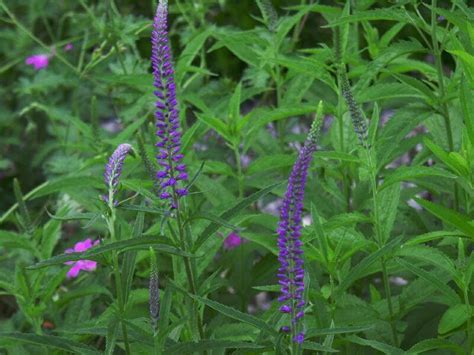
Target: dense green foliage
[389,232]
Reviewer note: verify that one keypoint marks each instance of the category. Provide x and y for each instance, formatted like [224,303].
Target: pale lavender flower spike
[172,171]
[291,271]
[113,170]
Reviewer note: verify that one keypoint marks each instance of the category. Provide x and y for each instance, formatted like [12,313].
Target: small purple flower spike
[232,241]
[113,170]
[291,271]
[38,61]
[77,266]
[172,172]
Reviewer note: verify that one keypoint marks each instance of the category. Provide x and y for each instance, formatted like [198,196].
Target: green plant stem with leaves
[110,219]
[190,274]
[379,239]
[442,93]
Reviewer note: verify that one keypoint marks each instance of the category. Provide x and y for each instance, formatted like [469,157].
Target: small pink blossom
[38,61]
[232,241]
[77,266]
[68,47]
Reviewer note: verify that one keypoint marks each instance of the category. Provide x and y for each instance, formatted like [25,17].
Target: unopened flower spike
[291,271]
[154,292]
[113,170]
[172,173]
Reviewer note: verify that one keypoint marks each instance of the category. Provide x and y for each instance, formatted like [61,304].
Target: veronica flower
[113,170]
[38,61]
[77,266]
[291,271]
[169,157]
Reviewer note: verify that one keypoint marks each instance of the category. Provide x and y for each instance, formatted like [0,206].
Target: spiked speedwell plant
[224,229]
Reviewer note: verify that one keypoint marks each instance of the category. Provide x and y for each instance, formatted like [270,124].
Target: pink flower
[68,47]
[232,241]
[77,266]
[38,61]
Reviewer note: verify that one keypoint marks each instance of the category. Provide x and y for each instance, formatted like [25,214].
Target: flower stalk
[291,271]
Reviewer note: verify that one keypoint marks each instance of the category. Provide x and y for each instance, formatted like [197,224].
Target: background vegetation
[388,235]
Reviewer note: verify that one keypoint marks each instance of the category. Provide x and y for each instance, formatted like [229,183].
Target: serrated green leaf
[456,219]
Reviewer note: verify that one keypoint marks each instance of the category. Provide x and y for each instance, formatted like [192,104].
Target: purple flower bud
[113,170]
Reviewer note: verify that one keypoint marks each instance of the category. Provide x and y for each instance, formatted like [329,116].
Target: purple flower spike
[113,170]
[167,114]
[291,271]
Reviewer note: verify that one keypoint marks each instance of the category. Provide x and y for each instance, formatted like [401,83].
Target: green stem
[470,347]
[378,237]
[442,93]
[188,266]
[240,178]
[117,275]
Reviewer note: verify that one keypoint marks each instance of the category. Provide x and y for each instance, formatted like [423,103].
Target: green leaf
[456,219]
[387,91]
[268,288]
[361,268]
[231,312]
[310,345]
[62,184]
[25,215]
[203,345]
[454,317]
[11,241]
[49,341]
[213,218]
[435,344]
[130,244]
[341,330]
[408,173]
[216,124]
[389,14]
[467,105]
[459,167]
[467,60]
[430,236]
[441,286]
[377,345]
[190,51]
[263,116]
[228,214]
[270,162]
[234,107]
[387,203]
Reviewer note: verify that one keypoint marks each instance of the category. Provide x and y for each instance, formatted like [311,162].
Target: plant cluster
[274,177]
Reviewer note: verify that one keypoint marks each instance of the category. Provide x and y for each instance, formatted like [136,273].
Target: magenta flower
[38,61]
[77,266]
[68,47]
[232,241]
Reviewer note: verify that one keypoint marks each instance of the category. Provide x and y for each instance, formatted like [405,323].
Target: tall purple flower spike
[167,115]
[113,170]
[291,271]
